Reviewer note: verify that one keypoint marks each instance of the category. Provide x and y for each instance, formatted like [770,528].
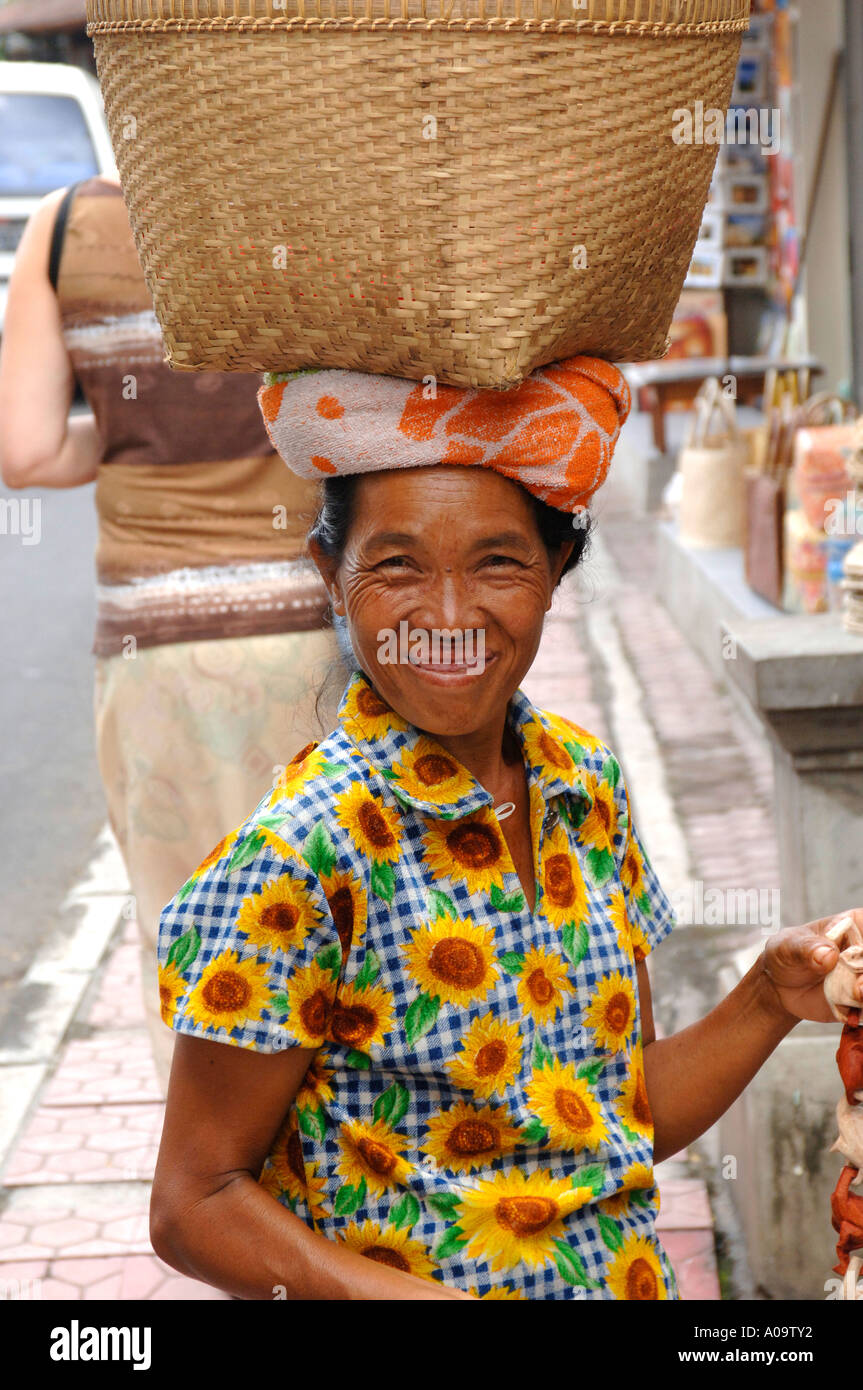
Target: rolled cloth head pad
[555,433]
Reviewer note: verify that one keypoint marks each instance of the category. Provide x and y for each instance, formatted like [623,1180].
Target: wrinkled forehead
[460,504]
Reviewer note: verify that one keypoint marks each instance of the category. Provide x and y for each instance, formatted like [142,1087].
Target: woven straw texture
[467,197]
[655,16]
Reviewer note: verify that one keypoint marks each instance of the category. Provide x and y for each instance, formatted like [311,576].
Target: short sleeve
[648,910]
[248,951]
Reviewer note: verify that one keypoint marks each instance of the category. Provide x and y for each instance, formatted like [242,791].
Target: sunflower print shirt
[476,1112]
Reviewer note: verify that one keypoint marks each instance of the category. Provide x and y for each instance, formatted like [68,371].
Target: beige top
[201,526]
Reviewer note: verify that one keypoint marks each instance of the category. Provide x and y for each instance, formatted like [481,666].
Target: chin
[451,704]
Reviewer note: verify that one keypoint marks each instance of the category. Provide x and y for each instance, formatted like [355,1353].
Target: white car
[52,133]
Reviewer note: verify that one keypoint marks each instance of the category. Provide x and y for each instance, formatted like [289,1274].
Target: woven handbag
[466,189]
[712,468]
[766,489]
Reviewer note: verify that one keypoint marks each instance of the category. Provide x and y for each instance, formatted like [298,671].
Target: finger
[823,954]
[804,949]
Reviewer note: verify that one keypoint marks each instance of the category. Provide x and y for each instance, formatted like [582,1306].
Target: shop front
[761,539]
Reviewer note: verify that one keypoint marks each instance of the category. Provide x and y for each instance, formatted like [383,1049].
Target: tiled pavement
[720,772]
[74,1222]
[74,1209]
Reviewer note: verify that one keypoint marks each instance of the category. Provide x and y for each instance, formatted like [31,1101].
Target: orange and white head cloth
[555,433]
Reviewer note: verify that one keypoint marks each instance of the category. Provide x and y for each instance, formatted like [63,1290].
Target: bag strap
[58,235]
[711,398]
[817,410]
[704,399]
[783,403]
[785,446]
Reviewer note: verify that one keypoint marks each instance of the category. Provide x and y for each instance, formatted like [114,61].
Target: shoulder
[35,242]
[268,869]
[311,784]
[586,750]
[100,186]
[246,939]
[42,220]
[304,798]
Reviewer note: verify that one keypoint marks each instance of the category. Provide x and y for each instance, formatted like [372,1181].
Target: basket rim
[641,18]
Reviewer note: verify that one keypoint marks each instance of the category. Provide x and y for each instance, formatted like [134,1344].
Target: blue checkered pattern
[212,899]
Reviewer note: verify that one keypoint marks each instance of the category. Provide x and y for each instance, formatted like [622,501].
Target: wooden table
[658,383]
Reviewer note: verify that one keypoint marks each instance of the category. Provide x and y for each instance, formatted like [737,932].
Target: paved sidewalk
[78,1179]
[73,1214]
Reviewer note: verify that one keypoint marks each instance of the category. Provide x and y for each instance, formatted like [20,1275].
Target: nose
[449,601]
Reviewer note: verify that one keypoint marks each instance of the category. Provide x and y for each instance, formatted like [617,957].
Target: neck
[491,754]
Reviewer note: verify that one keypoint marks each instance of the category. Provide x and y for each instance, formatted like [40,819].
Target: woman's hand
[693,1076]
[797,961]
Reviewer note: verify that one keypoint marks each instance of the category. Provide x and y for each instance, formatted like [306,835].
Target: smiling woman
[447,650]
[476,561]
[426,947]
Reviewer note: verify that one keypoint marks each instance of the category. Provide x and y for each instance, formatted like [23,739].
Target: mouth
[444,672]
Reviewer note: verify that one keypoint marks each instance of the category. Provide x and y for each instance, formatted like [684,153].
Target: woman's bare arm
[209,1216]
[40,446]
[693,1076]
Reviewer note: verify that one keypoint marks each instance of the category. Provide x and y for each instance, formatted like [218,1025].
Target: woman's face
[444,583]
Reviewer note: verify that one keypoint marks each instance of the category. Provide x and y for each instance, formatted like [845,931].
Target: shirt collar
[386,742]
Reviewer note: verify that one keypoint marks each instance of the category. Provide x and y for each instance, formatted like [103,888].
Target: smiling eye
[393,562]
[498,560]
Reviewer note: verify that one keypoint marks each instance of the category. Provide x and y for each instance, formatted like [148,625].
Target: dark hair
[333,521]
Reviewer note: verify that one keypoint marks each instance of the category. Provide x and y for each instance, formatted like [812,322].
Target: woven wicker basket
[462,188]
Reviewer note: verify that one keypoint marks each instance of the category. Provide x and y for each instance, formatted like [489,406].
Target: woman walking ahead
[209,621]
[426,948]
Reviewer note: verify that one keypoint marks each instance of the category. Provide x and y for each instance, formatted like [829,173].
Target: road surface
[51,803]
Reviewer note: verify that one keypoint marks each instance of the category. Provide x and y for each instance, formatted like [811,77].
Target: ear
[328,569]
